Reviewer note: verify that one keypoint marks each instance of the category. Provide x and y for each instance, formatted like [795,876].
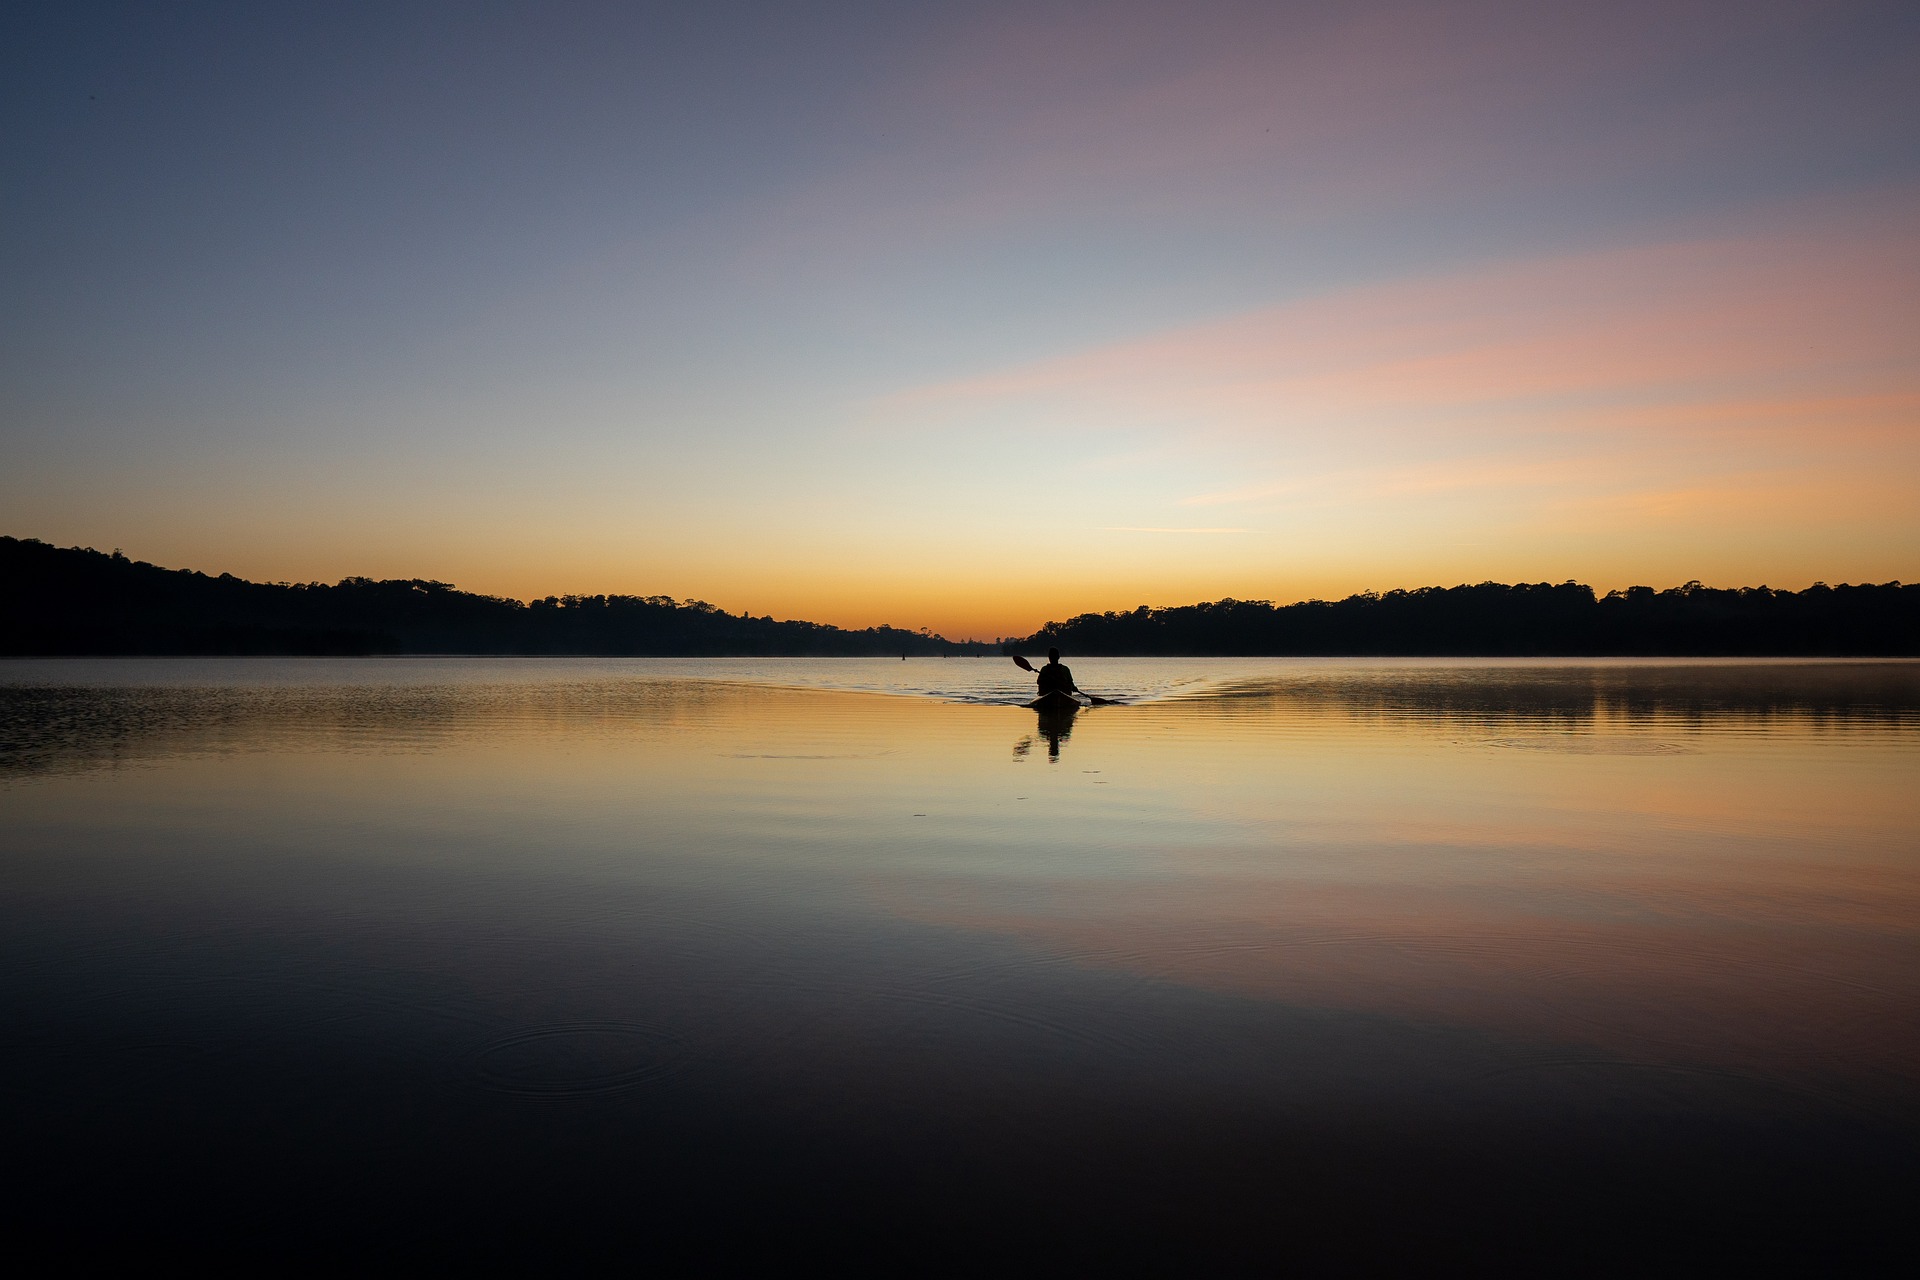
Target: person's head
[1053,655]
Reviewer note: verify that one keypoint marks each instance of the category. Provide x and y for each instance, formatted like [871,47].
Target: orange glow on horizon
[1739,411]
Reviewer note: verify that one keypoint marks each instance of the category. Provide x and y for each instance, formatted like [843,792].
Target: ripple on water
[576,1060]
[1586,745]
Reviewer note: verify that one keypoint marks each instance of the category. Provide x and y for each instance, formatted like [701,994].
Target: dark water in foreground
[1328,962]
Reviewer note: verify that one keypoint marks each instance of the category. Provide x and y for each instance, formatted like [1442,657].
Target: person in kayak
[1055,677]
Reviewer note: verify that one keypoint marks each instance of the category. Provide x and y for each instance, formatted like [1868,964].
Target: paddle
[1024,665]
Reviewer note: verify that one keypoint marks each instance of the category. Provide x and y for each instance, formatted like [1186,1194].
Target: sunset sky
[971,315]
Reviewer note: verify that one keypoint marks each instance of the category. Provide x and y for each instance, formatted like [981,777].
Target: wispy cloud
[1743,405]
[1817,310]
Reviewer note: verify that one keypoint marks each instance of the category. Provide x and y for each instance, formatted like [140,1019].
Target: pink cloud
[1828,314]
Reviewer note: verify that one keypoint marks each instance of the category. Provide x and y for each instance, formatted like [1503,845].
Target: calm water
[1286,961]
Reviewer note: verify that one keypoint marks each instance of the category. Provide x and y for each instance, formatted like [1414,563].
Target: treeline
[1494,619]
[78,601]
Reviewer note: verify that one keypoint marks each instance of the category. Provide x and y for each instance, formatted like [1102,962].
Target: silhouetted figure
[1055,677]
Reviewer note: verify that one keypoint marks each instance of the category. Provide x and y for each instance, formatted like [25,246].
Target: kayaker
[1054,677]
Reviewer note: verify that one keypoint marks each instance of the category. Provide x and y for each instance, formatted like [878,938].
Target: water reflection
[74,714]
[622,955]
[1577,696]
[1055,726]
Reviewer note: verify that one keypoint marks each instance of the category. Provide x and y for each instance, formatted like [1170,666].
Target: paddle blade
[1022,663]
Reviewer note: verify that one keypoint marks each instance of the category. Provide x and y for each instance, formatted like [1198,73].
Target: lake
[1329,963]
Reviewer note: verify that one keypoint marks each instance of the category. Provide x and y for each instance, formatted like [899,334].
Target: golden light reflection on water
[1704,872]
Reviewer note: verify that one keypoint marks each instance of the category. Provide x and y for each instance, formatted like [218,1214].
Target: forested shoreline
[73,601]
[80,602]
[1528,619]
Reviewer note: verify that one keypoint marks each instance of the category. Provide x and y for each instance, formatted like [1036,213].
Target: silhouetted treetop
[1493,619]
[80,601]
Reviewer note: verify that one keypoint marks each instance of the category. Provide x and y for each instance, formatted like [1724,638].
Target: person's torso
[1055,676]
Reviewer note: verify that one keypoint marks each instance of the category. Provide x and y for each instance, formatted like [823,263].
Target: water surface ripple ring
[576,1059]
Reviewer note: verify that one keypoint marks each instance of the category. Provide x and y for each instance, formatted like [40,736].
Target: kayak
[1056,701]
